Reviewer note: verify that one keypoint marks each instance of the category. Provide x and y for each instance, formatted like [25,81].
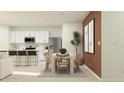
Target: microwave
[29,39]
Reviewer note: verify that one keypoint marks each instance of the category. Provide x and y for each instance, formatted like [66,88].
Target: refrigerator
[55,44]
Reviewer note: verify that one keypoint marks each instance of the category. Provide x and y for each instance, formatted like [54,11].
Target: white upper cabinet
[46,37]
[42,37]
[19,36]
[29,33]
[26,33]
[37,37]
[21,40]
[32,33]
[12,37]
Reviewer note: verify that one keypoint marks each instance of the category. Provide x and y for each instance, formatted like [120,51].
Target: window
[89,37]
[86,37]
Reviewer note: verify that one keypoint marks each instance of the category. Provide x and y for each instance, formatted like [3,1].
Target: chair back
[22,53]
[12,53]
[32,53]
[63,59]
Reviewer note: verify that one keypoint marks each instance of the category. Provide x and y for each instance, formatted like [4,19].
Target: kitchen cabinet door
[12,37]
[37,36]
[26,33]
[32,33]
[29,33]
[21,40]
[42,40]
[18,39]
[20,36]
[46,37]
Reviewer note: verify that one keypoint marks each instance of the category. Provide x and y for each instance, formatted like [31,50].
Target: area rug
[62,75]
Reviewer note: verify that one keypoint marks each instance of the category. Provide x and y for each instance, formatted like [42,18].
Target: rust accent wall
[93,61]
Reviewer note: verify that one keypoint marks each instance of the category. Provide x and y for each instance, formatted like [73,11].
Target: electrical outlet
[90,63]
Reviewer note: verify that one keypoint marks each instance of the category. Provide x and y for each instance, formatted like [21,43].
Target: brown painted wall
[93,61]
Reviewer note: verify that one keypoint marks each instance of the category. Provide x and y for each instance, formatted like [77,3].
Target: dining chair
[22,58]
[62,62]
[32,58]
[47,60]
[13,54]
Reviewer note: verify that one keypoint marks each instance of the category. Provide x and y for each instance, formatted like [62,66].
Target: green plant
[76,41]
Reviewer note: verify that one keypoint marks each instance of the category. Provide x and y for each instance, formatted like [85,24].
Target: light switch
[98,42]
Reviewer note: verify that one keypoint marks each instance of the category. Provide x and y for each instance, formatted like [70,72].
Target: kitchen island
[6,64]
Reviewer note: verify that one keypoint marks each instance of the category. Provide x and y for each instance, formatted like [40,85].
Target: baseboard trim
[93,73]
[5,77]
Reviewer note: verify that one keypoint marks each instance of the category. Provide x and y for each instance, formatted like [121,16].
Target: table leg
[71,66]
[53,65]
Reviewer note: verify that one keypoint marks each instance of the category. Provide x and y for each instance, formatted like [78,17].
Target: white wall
[67,36]
[54,31]
[113,46]
[4,37]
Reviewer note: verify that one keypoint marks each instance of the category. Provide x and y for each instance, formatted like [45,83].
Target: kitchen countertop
[3,51]
[19,50]
[25,50]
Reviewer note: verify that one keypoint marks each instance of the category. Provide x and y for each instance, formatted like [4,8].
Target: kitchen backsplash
[23,46]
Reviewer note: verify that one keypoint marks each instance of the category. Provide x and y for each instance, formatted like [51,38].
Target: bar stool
[23,57]
[14,55]
[32,57]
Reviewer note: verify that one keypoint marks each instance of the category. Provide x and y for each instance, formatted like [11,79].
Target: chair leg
[36,60]
[77,67]
[67,69]
[56,67]
[47,66]
[27,61]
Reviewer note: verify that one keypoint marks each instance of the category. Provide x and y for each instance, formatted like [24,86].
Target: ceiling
[40,18]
